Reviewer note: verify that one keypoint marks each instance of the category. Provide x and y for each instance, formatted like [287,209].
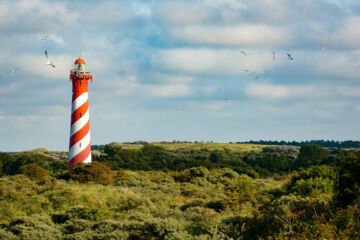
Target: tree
[311,154]
[348,186]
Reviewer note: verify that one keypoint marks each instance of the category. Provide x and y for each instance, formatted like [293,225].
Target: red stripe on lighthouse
[82,156]
[79,112]
[79,134]
[79,145]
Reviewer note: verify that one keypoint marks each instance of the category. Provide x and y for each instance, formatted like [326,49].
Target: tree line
[323,143]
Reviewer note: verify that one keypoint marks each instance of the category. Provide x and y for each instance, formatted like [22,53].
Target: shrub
[319,178]
[76,225]
[218,205]
[86,213]
[348,186]
[193,203]
[311,154]
[6,235]
[161,229]
[199,172]
[34,227]
[33,171]
[94,172]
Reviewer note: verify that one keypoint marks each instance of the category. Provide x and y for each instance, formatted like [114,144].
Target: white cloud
[357,108]
[348,35]
[336,64]
[173,78]
[267,91]
[173,90]
[181,12]
[234,35]
[11,88]
[107,13]
[124,85]
[142,9]
[35,16]
[311,91]
[207,106]
[211,61]
[37,65]
[128,85]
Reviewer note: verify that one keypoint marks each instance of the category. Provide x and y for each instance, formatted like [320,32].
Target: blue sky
[162,69]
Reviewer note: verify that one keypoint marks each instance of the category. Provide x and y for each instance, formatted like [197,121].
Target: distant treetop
[323,143]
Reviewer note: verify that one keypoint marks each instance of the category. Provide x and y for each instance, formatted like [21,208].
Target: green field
[197,146]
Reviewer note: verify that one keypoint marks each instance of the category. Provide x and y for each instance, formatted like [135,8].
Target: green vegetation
[158,192]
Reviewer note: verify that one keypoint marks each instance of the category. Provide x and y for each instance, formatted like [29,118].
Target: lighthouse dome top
[79,61]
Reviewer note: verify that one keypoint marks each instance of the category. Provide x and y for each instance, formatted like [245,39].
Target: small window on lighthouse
[79,144]
[80,114]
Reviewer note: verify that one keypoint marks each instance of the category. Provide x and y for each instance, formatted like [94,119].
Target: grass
[197,146]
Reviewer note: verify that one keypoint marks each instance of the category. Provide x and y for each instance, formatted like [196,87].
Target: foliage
[348,187]
[316,178]
[199,194]
[94,172]
[33,171]
[323,143]
[311,154]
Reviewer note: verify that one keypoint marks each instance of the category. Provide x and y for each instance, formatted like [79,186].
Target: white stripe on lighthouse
[80,100]
[88,159]
[80,123]
[79,146]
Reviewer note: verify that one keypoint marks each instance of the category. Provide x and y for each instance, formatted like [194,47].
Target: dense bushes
[94,172]
[311,154]
[348,186]
[208,197]
[320,179]
[33,171]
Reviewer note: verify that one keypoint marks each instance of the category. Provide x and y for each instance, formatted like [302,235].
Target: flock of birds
[247,71]
[49,62]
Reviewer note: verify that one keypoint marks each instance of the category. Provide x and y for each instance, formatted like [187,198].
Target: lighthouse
[80,145]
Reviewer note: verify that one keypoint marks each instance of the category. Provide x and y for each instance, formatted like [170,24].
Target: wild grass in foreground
[312,196]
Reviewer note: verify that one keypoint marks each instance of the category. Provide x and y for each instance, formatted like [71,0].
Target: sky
[163,68]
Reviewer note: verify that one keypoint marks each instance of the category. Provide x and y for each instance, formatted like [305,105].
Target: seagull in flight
[289,56]
[273,55]
[245,53]
[14,70]
[322,46]
[257,77]
[44,38]
[49,62]
[247,71]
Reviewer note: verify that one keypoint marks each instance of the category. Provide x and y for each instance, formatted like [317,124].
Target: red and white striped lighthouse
[80,145]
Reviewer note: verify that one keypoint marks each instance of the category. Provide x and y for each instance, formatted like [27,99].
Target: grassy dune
[197,146]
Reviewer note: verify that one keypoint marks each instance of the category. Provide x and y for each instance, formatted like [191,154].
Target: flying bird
[289,56]
[257,77]
[14,70]
[273,55]
[245,53]
[44,38]
[247,71]
[322,47]
[49,62]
